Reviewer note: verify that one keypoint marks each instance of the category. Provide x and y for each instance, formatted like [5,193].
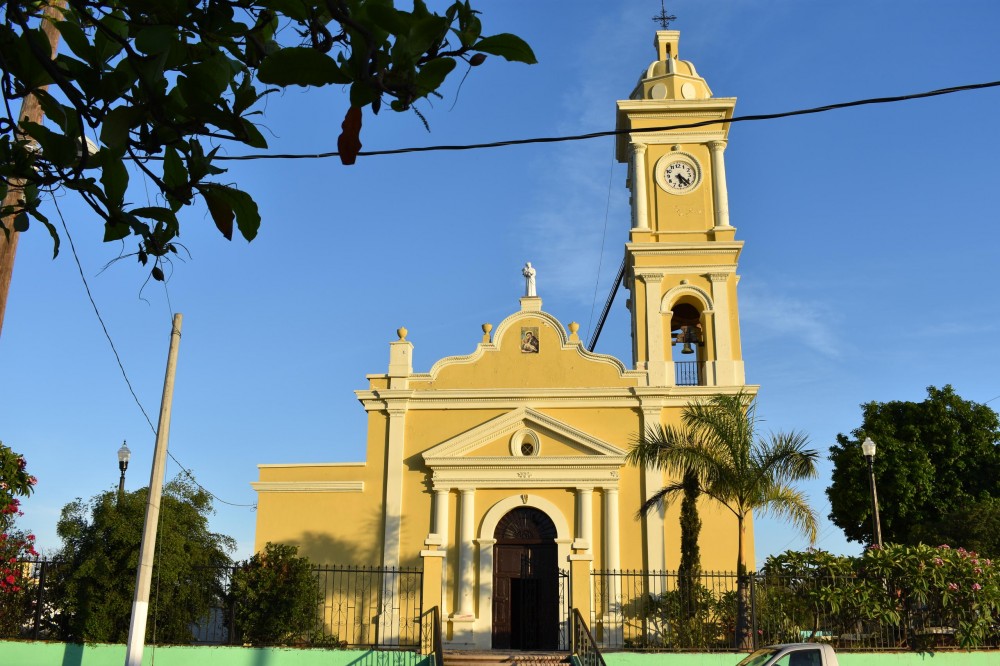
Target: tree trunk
[743,638]
[30,110]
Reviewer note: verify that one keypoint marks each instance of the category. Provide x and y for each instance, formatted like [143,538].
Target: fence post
[430,594]
[40,598]
[753,609]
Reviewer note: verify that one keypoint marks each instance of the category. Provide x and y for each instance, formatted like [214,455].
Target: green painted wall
[18,653]
[943,658]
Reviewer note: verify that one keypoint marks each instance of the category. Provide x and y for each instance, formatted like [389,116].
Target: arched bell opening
[525,582]
[687,342]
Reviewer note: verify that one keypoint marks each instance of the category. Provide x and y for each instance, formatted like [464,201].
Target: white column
[466,572]
[389,616]
[612,562]
[393,486]
[640,205]
[655,358]
[612,536]
[656,559]
[719,183]
[585,518]
[441,529]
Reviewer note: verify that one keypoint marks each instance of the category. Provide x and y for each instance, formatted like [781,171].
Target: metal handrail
[583,645]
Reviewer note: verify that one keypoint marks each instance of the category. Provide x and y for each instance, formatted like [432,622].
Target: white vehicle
[793,654]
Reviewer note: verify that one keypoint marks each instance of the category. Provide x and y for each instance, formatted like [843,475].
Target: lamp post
[868,448]
[123,455]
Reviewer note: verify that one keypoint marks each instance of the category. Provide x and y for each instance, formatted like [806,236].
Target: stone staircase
[503,658]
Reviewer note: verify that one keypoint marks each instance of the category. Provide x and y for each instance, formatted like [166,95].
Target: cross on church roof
[663,18]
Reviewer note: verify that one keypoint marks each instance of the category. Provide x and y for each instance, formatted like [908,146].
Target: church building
[507,464]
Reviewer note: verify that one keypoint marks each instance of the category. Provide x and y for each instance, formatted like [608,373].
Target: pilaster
[719,189]
[654,521]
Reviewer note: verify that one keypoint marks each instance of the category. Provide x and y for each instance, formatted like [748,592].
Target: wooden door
[525,583]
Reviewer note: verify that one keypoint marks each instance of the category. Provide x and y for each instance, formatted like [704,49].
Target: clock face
[678,173]
[680,176]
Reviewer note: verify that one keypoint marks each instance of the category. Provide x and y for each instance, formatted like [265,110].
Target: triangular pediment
[490,440]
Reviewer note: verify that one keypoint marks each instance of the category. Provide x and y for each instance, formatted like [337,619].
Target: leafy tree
[95,584]
[15,482]
[976,526]
[15,545]
[739,469]
[161,86]
[276,597]
[934,460]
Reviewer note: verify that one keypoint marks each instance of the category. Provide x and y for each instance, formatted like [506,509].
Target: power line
[114,350]
[597,135]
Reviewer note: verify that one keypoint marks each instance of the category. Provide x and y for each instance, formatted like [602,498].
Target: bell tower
[682,254]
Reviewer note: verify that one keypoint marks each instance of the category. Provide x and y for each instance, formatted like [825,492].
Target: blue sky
[868,271]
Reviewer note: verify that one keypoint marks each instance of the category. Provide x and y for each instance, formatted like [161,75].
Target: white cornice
[335,464]
[308,486]
[545,398]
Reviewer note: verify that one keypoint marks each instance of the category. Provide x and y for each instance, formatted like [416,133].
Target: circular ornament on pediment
[524,442]
[678,173]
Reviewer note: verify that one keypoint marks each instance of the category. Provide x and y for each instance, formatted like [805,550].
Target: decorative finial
[487,327]
[529,280]
[663,18]
[401,332]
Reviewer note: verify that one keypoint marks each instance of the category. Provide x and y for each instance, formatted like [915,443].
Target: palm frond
[785,502]
[662,497]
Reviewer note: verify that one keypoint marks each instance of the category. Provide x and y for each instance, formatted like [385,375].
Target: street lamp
[123,455]
[868,448]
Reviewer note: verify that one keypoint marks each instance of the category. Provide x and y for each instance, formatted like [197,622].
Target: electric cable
[595,135]
[121,367]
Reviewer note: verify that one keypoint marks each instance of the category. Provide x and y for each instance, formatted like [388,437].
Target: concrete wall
[944,658]
[17,653]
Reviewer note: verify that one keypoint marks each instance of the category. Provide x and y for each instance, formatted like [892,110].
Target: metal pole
[144,575]
[876,523]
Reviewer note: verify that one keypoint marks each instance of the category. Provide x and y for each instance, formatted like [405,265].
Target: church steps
[503,658]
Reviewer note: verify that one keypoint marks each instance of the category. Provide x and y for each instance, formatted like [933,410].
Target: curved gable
[529,349]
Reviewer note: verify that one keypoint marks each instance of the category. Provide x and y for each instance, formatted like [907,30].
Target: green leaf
[507,46]
[156,39]
[116,126]
[76,39]
[224,203]
[433,74]
[174,173]
[389,18]
[114,178]
[109,37]
[300,66]
[157,213]
[34,212]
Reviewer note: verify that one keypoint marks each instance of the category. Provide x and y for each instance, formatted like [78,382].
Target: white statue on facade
[529,279]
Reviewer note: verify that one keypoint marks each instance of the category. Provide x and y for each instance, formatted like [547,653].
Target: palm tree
[735,466]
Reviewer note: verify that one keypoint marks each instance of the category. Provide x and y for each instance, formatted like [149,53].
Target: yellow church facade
[509,463]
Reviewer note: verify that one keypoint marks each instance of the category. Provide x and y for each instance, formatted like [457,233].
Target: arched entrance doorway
[525,582]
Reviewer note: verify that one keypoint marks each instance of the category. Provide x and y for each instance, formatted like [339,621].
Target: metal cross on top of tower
[663,18]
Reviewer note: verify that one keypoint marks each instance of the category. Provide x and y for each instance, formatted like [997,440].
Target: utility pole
[144,576]
[32,112]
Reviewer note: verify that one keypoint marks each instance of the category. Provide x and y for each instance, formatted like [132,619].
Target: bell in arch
[688,336]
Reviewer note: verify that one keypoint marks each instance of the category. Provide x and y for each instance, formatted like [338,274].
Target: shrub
[276,597]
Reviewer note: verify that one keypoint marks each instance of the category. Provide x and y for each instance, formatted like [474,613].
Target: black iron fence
[641,610]
[370,607]
[688,373]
